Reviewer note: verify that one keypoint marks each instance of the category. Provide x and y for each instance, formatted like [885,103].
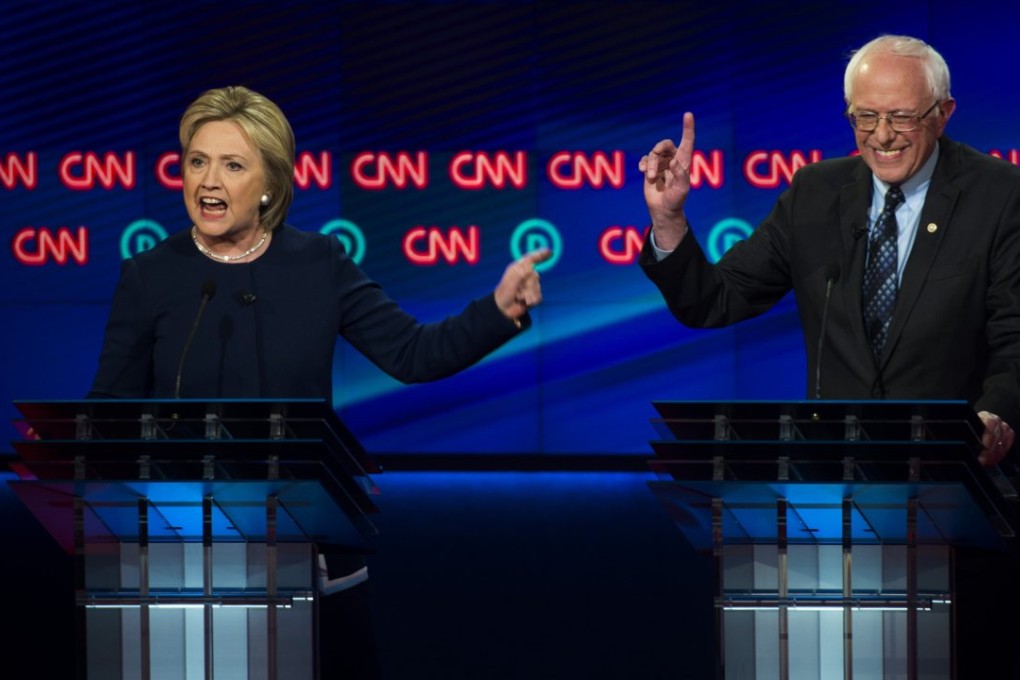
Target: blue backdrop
[517,123]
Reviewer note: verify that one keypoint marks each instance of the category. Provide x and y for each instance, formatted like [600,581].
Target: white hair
[935,69]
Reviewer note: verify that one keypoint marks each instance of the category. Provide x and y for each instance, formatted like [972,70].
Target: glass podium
[196,528]
[832,526]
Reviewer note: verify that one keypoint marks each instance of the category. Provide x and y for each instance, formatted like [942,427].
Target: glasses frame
[915,120]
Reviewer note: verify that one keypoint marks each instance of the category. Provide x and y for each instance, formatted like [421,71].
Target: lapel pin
[932,227]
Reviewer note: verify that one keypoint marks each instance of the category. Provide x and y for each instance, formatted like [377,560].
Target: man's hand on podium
[997,439]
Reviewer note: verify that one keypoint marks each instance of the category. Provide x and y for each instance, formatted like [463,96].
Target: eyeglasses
[867,121]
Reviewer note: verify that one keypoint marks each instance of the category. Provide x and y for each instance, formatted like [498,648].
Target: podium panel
[832,526]
[196,528]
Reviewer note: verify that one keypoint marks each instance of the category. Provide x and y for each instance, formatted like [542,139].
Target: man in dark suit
[930,311]
[954,332]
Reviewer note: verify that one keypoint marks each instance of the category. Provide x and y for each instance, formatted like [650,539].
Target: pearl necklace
[227,258]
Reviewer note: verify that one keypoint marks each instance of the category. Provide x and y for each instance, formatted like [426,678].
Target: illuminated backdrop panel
[438,141]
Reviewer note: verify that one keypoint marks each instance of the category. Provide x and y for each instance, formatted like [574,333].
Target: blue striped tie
[880,276]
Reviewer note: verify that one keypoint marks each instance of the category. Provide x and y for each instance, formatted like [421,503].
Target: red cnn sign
[470,170]
[574,170]
[1012,155]
[307,168]
[35,247]
[12,167]
[165,178]
[83,171]
[425,246]
[621,245]
[379,171]
[766,169]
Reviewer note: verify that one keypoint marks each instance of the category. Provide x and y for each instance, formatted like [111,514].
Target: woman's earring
[265,200]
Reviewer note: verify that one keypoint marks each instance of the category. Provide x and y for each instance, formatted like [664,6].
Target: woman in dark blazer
[242,305]
[274,299]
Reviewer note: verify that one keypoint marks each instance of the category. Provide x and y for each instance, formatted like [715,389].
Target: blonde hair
[266,128]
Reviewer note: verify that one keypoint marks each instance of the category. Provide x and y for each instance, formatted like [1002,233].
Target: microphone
[246,297]
[831,276]
[208,291]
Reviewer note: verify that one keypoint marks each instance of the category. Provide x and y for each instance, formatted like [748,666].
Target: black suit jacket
[955,333]
[270,329]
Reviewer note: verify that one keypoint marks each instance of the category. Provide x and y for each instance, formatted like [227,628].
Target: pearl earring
[265,199]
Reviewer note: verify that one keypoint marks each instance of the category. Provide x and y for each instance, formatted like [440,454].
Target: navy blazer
[270,329]
[955,332]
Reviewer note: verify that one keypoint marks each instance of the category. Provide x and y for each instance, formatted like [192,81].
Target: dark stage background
[438,140]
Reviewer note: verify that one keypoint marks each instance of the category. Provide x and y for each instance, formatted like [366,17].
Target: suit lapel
[854,200]
[938,206]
